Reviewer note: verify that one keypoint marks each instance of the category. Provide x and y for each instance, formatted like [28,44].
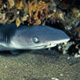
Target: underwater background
[44,64]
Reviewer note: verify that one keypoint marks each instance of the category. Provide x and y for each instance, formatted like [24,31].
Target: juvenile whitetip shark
[32,37]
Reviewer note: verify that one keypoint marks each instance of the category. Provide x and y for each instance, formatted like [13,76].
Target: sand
[39,65]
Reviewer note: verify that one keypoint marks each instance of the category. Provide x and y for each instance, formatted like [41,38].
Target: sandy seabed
[39,65]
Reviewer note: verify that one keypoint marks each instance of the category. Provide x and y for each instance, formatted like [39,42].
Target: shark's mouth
[43,46]
[50,44]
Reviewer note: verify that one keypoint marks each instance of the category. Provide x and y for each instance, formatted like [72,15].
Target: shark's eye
[35,39]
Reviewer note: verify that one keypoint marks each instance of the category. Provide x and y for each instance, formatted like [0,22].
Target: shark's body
[34,37]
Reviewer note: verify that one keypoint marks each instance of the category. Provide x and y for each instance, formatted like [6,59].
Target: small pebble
[68,57]
[76,56]
[5,6]
[27,15]
[54,78]
[79,51]
[61,75]
[18,12]
[6,66]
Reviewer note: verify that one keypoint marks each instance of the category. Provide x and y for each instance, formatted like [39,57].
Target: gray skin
[32,37]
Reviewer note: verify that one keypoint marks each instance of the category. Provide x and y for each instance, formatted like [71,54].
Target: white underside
[50,44]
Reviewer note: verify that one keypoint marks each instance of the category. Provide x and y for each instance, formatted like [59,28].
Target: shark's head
[37,37]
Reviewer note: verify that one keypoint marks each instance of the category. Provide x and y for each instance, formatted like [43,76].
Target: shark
[30,37]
